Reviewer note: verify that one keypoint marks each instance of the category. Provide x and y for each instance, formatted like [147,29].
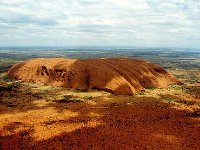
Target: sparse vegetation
[168,99]
[14,85]
[141,93]
[84,90]
[5,78]
[67,99]
[34,115]
[88,97]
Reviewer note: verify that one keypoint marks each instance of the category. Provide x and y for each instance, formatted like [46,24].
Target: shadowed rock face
[115,75]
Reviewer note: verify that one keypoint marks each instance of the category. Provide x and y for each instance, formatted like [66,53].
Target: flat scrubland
[44,117]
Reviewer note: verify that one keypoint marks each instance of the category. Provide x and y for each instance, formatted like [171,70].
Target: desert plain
[37,116]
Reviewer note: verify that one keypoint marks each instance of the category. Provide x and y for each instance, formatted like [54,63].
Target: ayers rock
[115,75]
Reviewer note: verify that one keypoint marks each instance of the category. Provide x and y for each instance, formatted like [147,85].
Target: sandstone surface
[120,76]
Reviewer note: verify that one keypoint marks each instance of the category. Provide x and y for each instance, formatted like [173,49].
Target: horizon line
[98,46]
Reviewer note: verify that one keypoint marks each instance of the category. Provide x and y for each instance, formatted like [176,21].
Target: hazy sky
[153,23]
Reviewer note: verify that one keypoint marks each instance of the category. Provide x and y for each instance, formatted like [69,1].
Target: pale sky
[141,23]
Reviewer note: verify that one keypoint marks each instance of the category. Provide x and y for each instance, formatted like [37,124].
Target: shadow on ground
[109,123]
[146,123]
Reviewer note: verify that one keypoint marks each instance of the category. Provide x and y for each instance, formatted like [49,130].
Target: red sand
[114,75]
[144,124]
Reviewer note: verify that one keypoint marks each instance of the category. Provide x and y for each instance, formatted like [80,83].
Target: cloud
[106,22]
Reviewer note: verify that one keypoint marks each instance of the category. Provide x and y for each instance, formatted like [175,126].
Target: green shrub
[5,78]
[14,85]
[67,99]
[141,93]
[88,97]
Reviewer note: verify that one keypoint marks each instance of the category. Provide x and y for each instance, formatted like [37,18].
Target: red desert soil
[112,123]
[114,75]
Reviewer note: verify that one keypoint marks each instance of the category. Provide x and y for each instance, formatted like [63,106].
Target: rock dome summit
[120,76]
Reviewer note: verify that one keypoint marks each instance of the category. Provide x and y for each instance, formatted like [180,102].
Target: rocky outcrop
[115,75]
